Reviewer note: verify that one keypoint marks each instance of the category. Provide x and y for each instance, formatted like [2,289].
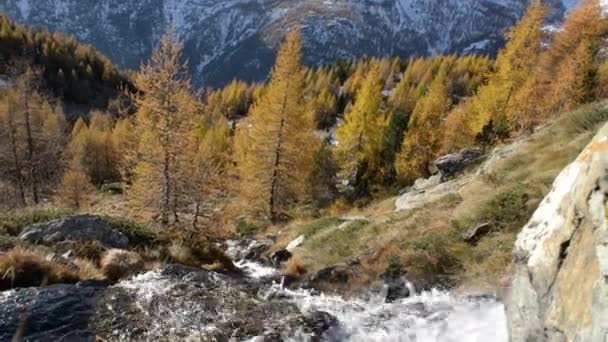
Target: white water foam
[434,316]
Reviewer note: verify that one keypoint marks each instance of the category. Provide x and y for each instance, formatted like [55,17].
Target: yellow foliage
[274,146]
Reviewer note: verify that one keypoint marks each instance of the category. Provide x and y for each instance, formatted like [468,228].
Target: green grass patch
[317,226]
[139,234]
[12,223]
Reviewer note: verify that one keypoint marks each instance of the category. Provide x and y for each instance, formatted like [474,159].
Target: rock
[280,256]
[54,313]
[499,154]
[75,228]
[451,164]
[181,303]
[474,235]
[252,250]
[418,199]
[398,288]
[295,243]
[559,290]
[348,220]
[425,183]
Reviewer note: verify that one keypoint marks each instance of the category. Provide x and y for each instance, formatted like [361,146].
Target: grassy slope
[428,241]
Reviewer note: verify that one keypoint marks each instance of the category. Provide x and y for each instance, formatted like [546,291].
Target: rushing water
[426,317]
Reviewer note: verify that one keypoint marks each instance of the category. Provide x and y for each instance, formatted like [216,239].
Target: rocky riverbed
[181,303]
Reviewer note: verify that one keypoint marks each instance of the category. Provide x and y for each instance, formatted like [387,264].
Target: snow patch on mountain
[238,38]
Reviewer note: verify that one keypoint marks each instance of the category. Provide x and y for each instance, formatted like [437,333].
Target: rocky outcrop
[75,228]
[559,289]
[451,164]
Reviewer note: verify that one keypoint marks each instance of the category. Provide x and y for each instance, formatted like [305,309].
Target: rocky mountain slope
[236,38]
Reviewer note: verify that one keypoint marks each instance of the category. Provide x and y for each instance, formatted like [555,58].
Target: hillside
[431,239]
[238,39]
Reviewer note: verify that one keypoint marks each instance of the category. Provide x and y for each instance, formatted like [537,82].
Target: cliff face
[559,290]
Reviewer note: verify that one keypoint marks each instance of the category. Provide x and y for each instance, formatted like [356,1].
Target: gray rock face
[451,164]
[559,290]
[237,38]
[55,313]
[75,228]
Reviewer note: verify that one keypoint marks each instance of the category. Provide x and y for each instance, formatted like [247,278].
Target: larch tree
[360,137]
[31,140]
[513,66]
[275,145]
[164,120]
[424,137]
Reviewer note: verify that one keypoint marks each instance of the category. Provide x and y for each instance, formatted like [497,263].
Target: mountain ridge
[238,38]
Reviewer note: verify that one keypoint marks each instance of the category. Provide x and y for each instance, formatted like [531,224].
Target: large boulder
[451,164]
[559,290]
[75,228]
[54,313]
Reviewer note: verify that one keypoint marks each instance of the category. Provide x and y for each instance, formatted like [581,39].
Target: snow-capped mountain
[237,38]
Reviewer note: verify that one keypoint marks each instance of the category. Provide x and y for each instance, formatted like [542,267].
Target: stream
[178,303]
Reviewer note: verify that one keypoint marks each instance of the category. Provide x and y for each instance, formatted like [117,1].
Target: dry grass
[21,267]
[428,241]
[116,264]
[294,268]
[88,270]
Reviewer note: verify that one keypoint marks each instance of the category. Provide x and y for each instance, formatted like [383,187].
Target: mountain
[237,38]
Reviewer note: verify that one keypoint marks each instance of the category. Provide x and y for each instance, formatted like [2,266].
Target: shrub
[21,267]
[13,222]
[117,263]
[246,229]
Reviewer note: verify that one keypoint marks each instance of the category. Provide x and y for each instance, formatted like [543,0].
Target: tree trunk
[30,156]
[16,162]
[277,162]
[166,195]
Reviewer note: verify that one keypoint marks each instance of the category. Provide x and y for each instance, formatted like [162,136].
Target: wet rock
[280,256]
[54,313]
[252,250]
[474,235]
[398,288]
[181,303]
[451,164]
[559,290]
[319,322]
[75,228]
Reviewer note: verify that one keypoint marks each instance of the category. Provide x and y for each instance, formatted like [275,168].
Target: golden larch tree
[164,120]
[360,137]
[424,137]
[274,146]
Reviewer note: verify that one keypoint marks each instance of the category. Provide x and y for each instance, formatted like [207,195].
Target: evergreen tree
[513,66]
[31,140]
[424,138]
[360,136]
[274,146]
[164,121]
